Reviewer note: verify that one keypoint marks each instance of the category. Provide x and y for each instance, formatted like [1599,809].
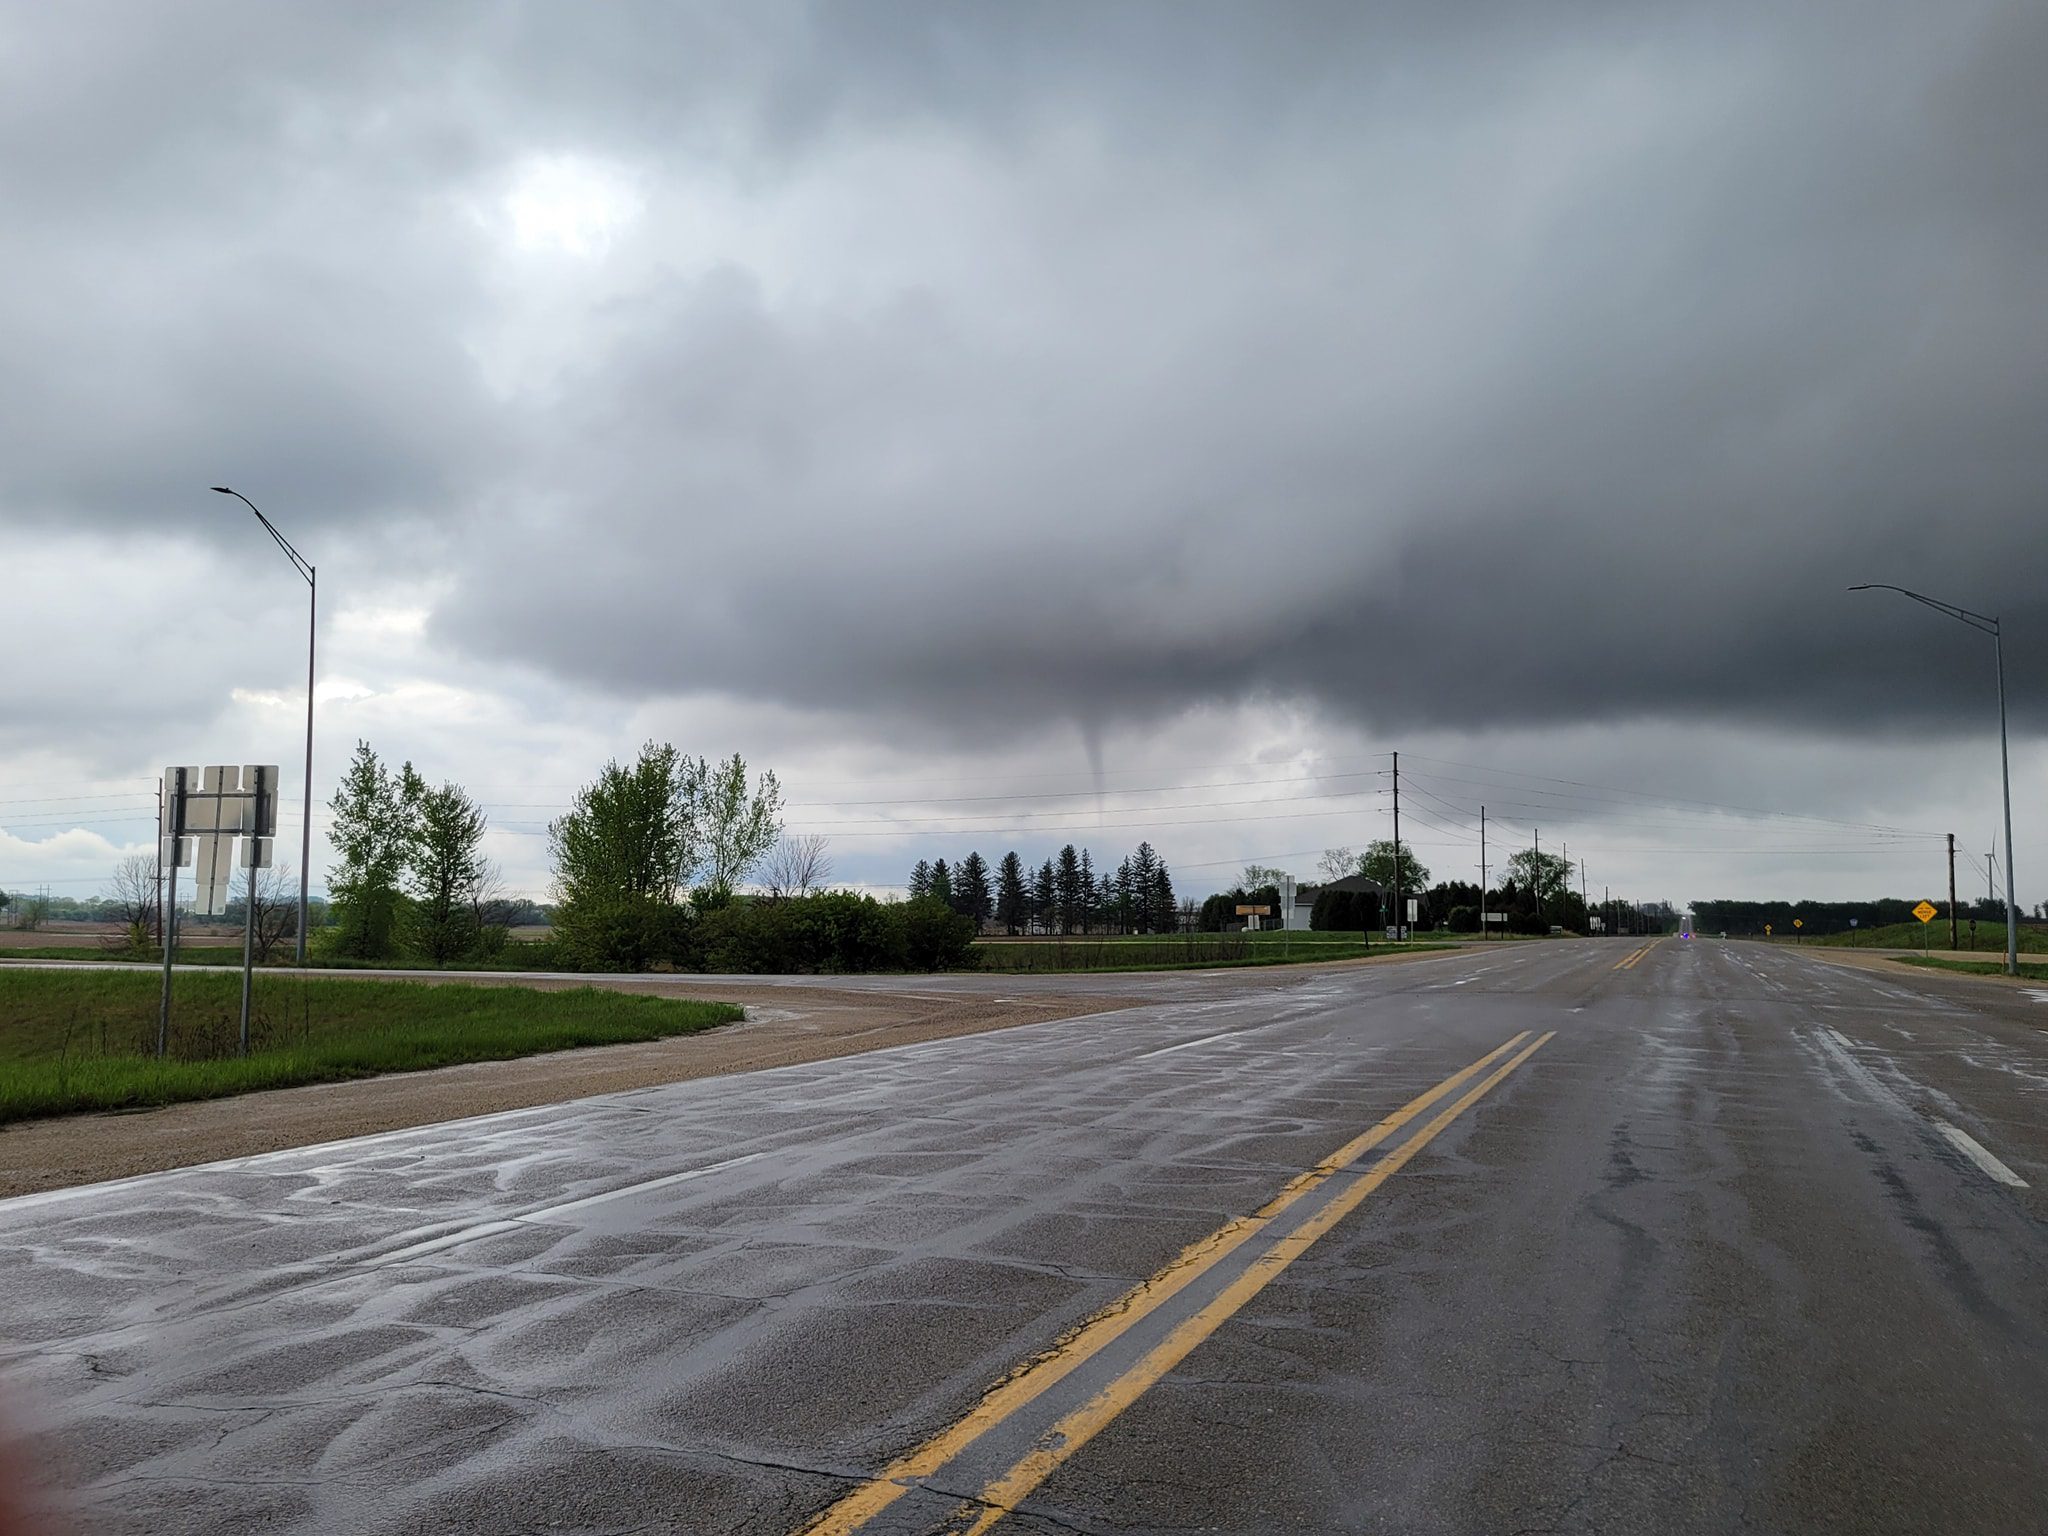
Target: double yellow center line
[1073,1430]
[1630,962]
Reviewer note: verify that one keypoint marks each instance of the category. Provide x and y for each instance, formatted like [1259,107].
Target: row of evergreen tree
[1065,894]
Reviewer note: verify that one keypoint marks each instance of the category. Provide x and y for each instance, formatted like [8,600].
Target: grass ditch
[2035,971]
[1990,939]
[79,1040]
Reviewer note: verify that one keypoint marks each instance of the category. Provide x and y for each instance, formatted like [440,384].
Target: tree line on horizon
[1818,917]
[1064,895]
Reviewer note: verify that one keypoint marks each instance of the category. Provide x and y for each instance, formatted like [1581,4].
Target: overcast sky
[1015,423]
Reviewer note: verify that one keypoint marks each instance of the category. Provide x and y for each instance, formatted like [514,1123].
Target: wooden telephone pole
[1952,893]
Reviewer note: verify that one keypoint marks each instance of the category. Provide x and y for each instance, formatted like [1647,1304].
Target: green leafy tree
[1547,874]
[1013,900]
[447,873]
[622,855]
[1377,863]
[920,879]
[630,834]
[1257,875]
[375,823]
[935,936]
[733,827]
[941,888]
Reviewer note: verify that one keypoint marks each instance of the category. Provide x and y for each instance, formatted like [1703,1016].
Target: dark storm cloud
[1585,404]
[1463,367]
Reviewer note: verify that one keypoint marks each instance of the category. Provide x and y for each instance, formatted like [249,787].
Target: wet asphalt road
[1737,1246]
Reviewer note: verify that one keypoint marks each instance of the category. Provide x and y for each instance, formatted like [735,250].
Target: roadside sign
[1254,911]
[1798,922]
[1767,930]
[209,816]
[1925,911]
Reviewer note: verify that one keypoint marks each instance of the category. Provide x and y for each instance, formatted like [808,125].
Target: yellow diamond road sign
[1925,911]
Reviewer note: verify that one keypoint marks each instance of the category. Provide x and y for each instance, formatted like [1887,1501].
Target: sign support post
[253,823]
[170,851]
[1926,913]
[205,819]
[163,1007]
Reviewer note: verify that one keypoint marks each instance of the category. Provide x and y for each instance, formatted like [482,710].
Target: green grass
[516,956]
[79,1040]
[195,954]
[1989,967]
[1990,937]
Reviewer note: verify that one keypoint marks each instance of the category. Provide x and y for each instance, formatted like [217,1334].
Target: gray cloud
[1450,369]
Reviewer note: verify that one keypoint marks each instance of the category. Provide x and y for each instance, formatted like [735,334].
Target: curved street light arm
[1982,621]
[304,566]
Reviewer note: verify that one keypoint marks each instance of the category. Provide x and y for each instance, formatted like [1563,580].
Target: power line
[1659,801]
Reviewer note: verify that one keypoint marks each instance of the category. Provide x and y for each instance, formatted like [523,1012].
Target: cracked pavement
[1702,1264]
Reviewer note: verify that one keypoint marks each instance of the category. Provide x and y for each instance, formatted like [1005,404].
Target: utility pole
[1952,893]
[1582,885]
[1400,911]
[1482,874]
[1537,878]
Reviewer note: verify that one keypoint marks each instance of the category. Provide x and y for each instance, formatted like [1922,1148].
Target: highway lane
[1543,1237]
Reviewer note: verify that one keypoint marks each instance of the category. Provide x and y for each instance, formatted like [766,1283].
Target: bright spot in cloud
[382,623]
[570,204]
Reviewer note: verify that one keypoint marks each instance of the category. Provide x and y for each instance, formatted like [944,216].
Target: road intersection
[1563,1236]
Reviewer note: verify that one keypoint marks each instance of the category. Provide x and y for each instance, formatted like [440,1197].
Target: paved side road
[1572,1237]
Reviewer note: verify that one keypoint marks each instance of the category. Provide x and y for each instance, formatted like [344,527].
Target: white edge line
[1843,1040]
[1971,1148]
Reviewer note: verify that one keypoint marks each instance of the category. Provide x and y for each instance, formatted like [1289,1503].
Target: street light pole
[305,569]
[1988,624]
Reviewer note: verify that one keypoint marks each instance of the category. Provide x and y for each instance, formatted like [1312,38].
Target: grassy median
[81,1040]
